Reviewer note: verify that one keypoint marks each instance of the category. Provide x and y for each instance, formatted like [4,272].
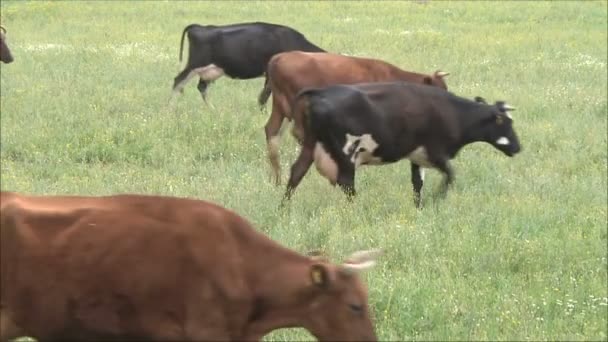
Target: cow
[5,52]
[240,51]
[346,126]
[290,72]
[141,267]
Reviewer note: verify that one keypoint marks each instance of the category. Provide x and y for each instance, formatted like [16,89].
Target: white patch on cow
[503,141]
[326,166]
[350,140]
[210,72]
[363,153]
[421,172]
[420,157]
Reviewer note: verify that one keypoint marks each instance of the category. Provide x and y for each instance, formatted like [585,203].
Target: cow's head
[5,52]
[328,300]
[499,128]
[437,79]
[338,308]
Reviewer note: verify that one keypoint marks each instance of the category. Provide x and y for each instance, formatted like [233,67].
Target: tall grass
[517,250]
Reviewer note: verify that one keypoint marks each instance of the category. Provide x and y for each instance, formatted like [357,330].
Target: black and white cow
[240,51]
[346,126]
[5,52]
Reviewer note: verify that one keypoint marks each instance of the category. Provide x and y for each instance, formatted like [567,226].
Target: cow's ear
[480,99]
[503,106]
[427,80]
[319,275]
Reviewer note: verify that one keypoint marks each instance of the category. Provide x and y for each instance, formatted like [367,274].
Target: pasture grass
[516,251]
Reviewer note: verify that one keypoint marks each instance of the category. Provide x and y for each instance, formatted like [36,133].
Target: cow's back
[386,110]
[298,70]
[244,50]
[404,101]
[291,72]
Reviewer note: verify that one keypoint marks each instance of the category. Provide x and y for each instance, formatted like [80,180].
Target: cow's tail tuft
[265,93]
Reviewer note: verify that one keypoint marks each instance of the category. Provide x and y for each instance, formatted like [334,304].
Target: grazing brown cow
[133,267]
[5,52]
[290,72]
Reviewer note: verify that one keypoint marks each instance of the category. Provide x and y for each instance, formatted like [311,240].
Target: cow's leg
[180,81]
[443,165]
[273,135]
[299,169]
[417,182]
[178,84]
[207,74]
[8,328]
[202,88]
[346,180]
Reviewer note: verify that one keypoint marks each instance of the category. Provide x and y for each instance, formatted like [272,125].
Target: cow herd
[141,267]
[346,111]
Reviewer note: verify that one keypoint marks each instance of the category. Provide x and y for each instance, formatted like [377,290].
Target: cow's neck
[275,286]
[403,75]
[276,318]
[471,126]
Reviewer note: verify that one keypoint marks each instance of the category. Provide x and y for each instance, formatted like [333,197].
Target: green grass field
[517,250]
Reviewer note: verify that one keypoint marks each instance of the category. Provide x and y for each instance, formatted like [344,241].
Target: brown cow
[134,267]
[290,72]
[5,52]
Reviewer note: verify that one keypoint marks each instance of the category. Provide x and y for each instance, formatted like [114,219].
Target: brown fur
[290,72]
[161,268]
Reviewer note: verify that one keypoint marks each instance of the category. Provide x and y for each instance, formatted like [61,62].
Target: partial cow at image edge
[5,53]
[73,269]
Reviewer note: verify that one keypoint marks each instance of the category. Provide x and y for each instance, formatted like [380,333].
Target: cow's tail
[265,93]
[181,45]
[267,90]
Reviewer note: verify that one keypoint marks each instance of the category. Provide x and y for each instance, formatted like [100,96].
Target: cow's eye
[356,308]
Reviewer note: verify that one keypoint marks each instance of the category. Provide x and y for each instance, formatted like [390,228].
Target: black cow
[240,51]
[373,123]
[5,52]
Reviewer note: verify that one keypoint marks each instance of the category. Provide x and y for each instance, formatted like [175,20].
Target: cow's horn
[506,107]
[3,29]
[361,260]
[442,73]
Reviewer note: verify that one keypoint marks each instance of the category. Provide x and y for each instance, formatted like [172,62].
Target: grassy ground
[517,250]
